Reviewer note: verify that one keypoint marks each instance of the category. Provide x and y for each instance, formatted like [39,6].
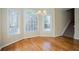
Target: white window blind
[13,20]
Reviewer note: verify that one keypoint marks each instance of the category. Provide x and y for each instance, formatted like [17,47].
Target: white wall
[76,23]
[0,29]
[0,24]
[61,21]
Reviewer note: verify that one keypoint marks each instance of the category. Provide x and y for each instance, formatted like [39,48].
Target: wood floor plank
[61,43]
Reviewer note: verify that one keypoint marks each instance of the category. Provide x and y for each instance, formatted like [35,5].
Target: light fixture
[39,12]
[42,12]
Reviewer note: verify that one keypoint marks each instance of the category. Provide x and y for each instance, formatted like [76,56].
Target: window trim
[24,16]
[8,18]
[44,23]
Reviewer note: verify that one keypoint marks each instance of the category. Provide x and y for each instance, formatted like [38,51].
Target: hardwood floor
[44,44]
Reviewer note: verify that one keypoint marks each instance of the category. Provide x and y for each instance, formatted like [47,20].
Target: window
[30,22]
[13,22]
[47,22]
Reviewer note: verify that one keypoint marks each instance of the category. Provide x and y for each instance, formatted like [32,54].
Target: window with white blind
[47,23]
[13,22]
[30,21]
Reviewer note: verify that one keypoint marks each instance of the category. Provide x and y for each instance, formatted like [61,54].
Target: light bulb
[39,12]
[44,12]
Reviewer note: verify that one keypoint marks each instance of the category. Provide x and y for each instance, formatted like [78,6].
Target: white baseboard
[77,38]
[65,27]
[15,41]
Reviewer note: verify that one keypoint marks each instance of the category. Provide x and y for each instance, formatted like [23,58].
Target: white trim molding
[65,27]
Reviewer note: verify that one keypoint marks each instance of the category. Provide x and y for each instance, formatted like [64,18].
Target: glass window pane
[31,22]
[13,22]
[47,23]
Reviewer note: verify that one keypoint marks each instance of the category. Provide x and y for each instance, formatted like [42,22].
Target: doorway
[69,32]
